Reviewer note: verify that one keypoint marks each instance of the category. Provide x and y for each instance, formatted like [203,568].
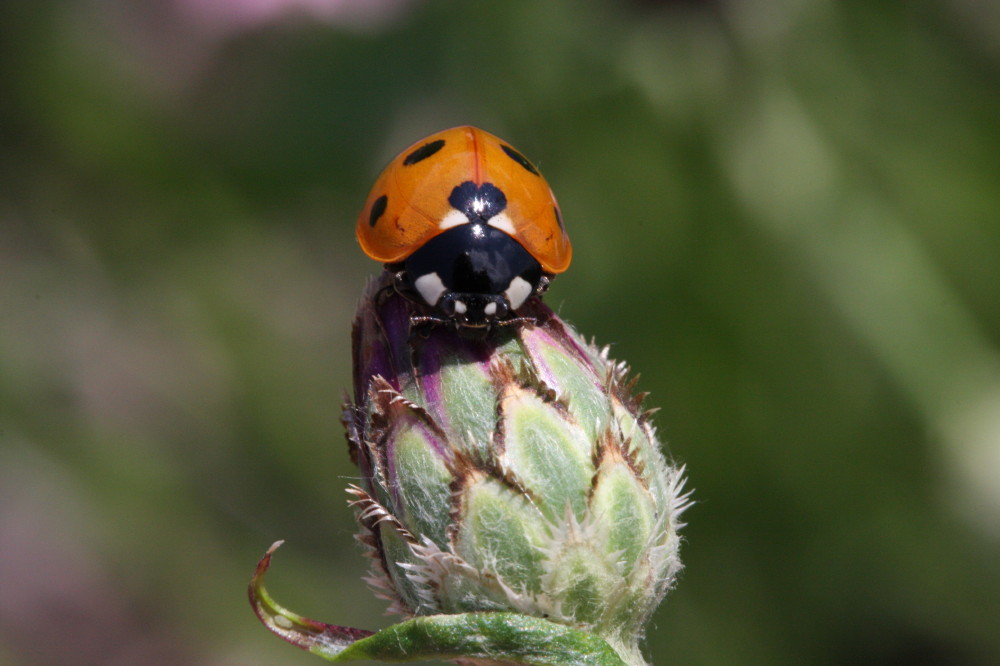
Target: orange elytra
[413,200]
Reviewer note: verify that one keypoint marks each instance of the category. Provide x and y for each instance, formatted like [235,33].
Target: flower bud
[512,473]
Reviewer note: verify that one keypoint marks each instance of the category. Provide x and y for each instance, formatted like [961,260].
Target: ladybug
[468,227]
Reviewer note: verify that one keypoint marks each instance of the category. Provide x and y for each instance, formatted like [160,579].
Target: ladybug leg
[543,285]
[420,320]
[421,326]
[387,288]
[399,282]
[518,321]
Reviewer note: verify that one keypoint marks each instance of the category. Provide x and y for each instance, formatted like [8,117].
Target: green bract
[516,473]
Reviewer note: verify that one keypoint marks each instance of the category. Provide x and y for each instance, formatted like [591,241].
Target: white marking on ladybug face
[452,219]
[430,287]
[490,309]
[518,291]
[503,223]
[460,307]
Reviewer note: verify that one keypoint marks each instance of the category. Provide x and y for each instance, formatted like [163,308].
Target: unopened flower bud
[517,472]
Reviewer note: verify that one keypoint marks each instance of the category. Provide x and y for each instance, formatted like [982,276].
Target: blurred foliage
[786,216]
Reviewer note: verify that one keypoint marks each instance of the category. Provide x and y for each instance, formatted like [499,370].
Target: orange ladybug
[468,226]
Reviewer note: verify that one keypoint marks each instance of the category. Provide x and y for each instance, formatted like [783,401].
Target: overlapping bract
[516,473]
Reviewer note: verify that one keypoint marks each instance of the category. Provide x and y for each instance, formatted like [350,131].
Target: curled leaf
[327,640]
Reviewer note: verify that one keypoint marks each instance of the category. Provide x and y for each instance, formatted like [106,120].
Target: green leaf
[498,636]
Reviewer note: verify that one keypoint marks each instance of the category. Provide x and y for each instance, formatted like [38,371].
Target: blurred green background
[786,217]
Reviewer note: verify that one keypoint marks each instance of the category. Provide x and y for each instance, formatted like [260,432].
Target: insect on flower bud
[513,497]
[512,473]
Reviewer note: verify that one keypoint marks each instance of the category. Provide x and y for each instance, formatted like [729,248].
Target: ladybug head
[473,275]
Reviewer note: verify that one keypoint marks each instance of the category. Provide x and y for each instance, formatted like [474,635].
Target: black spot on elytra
[481,202]
[519,158]
[378,208]
[559,219]
[423,152]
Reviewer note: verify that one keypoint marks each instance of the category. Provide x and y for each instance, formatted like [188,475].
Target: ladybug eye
[519,158]
[423,152]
